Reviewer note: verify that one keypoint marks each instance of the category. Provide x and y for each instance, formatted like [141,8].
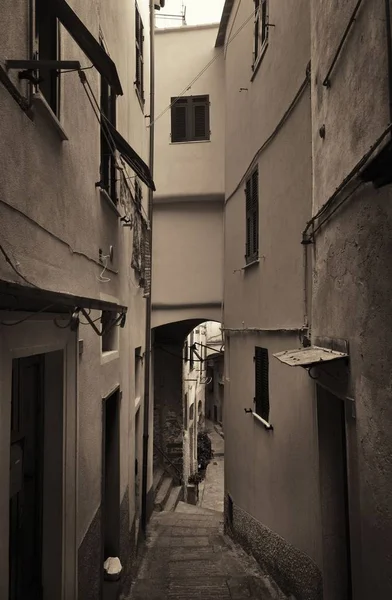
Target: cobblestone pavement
[189,558]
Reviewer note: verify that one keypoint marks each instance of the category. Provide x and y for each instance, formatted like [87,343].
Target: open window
[260,31]
[139,52]
[47,47]
[108,160]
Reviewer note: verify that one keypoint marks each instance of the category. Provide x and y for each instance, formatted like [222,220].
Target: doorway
[36,477]
[111,475]
[334,491]
[138,470]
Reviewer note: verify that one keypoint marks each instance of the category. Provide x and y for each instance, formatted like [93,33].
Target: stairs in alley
[188,557]
[167,493]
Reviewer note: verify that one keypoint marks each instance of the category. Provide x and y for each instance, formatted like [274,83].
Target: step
[174,498]
[159,474]
[163,493]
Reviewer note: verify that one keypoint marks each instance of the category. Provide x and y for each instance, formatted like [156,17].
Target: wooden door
[26,479]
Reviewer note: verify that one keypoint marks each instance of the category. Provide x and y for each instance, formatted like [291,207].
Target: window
[47,48]
[252,217]
[262,406]
[190,119]
[139,39]
[110,331]
[108,163]
[261,30]
[191,347]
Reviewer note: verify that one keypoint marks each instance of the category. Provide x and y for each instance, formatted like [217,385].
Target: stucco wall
[352,275]
[190,168]
[187,261]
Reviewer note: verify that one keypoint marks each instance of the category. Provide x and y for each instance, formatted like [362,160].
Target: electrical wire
[207,66]
[278,127]
[360,184]
[15,269]
[346,181]
[54,236]
[26,318]
[100,116]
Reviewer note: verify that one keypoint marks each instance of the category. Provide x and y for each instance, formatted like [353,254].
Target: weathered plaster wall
[353,275]
[53,220]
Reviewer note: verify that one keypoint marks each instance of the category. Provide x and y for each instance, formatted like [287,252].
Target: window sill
[252,263]
[142,101]
[262,421]
[109,356]
[105,196]
[256,64]
[191,142]
[44,109]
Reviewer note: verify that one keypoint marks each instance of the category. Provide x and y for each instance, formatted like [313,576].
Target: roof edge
[220,40]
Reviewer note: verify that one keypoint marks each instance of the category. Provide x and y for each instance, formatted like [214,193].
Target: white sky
[197,12]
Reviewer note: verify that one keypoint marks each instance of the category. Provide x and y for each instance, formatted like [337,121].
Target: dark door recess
[26,479]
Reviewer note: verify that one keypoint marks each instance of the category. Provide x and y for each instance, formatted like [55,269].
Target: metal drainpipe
[147,361]
[389,54]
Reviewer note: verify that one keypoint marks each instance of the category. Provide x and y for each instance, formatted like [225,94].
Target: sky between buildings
[197,12]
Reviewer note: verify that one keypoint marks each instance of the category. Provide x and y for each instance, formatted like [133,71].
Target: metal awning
[306,357]
[86,42]
[129,155]
[17,297]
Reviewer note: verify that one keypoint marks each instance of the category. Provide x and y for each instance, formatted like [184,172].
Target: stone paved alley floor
[188,557]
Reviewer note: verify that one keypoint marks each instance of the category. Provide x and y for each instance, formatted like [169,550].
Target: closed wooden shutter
[252,217]
[190,119]
[200,121]
[179,120]
[262,405]
[139,39]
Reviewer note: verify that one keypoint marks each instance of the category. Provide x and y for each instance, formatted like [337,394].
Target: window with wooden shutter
[190,119]
[262,405]
[252,217]
[260,30]
[108,161]
[139,43]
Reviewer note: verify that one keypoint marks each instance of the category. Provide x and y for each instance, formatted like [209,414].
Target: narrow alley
[188,556]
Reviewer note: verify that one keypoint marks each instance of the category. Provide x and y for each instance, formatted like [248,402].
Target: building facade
[73,281]
[271,467]
[350,240]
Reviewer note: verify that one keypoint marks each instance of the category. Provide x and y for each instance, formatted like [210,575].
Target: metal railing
[165,456]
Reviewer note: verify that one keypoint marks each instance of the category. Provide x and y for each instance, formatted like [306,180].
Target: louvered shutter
[139,39]
[262,405]
[200,120]
[179,120]
[252,217]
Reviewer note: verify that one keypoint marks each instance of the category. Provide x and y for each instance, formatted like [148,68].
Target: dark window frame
[190,119]
[139,56]
[47,47]
[260,35]
[252,217]
[108,171]
[261,399]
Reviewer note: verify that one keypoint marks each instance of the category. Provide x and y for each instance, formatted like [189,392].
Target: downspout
[389,54]
[147,360]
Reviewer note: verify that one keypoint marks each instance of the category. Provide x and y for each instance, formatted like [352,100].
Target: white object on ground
[112,567]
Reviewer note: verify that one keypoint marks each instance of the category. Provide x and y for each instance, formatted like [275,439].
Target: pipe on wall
[147,361]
